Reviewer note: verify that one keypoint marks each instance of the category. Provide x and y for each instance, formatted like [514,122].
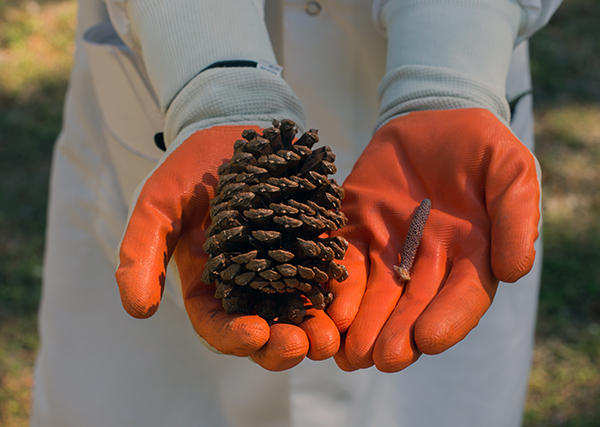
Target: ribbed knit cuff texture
[224,96]
[447,54]
[180,38]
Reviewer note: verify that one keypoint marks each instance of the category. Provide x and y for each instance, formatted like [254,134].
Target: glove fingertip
[287,346]
[439,329]
[342,316]
[359,352]
[453,313]
[396,364]
[432,339]
[342,361]
[322,334]
[344,364]
[140,310]
[513,258]
[510,270]
[241,336]
[394,352]
[516,224]
[139,302]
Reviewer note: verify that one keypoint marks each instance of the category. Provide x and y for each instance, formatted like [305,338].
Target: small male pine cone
[274,203]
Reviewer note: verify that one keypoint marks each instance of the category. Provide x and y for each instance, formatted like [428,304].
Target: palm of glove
[484,221]
[170,218]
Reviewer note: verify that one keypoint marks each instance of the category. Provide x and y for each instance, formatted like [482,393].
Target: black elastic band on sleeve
[512,103]
[159,141]
[231,64]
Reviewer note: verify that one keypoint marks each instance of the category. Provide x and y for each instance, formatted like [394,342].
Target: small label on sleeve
[270,67]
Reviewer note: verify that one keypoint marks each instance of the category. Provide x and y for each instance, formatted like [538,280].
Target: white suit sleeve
[536,14]
[451,53]
[177,39]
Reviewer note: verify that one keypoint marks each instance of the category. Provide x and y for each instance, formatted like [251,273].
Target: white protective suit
[97,366]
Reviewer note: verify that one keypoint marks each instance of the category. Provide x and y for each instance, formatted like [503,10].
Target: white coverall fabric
[536,14]
[99,367]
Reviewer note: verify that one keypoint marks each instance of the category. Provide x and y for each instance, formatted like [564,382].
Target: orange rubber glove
[170,217]
[485,195]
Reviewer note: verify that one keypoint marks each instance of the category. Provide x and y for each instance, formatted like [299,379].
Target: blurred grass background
[35,57]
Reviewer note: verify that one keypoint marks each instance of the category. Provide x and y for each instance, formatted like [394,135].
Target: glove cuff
[421,87]
[441,49]
[231,96]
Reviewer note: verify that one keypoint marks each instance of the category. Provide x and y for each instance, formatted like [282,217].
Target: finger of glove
[513,200]
[349,293]
[235,334]
[146,248]
[381,296]
[180,187]
[341,360]
[457,308]
[322,334]
[395,348]
[288,345]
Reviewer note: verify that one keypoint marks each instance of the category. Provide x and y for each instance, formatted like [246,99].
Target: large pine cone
[266,242]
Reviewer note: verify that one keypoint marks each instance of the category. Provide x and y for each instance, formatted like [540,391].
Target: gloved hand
[485,196]
[170,217]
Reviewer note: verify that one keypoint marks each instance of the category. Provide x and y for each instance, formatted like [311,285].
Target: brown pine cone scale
[274,204]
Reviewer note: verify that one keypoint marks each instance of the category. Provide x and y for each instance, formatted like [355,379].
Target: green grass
[18,345]
[35,58]
[33,72]
[564,387]
[569,151]
[565,58]
[564,390]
